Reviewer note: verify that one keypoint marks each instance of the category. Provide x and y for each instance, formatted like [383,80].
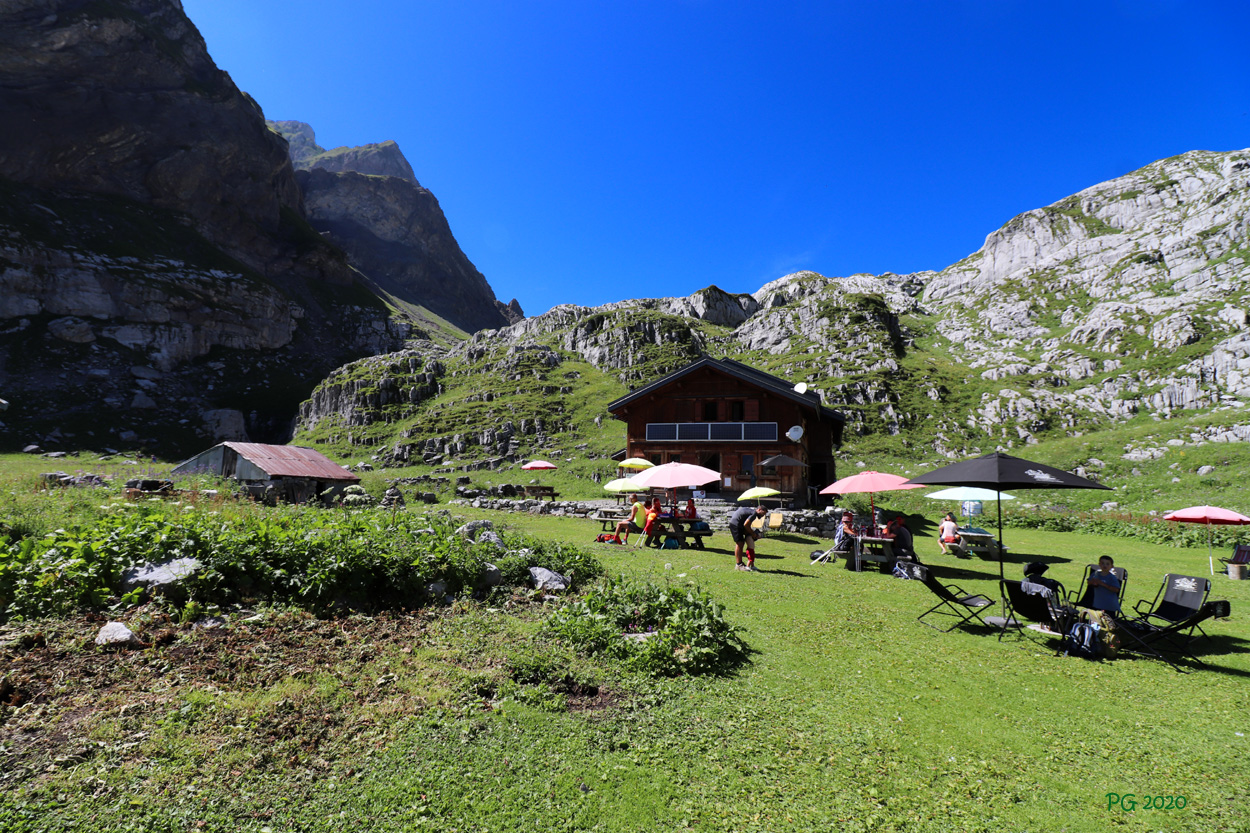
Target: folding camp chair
[953,600]
[1084,597]
[1039,604]
[1178,599]
[1143,637]
[1241,555]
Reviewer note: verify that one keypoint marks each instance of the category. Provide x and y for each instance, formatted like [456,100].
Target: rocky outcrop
[1129,297]
[381,159]
[369,201]
[149,218]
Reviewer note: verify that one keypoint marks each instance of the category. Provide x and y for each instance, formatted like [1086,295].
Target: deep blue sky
[590,151]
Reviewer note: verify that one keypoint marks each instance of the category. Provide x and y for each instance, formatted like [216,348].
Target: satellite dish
[795,432]
[800,388]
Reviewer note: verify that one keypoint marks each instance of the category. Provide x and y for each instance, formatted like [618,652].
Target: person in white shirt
[948,532]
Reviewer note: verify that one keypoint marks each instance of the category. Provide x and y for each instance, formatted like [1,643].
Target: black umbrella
[1001,473]
[782,460]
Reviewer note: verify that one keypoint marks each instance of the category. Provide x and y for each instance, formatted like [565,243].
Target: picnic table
[871,548]
[608,519]
[548,492]
[682,529]
[976,540]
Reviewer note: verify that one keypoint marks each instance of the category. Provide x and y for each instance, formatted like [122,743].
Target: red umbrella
[1208,515]
[534,465]
[870,482]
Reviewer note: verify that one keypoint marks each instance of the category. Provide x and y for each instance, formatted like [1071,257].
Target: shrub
[680,630]
[311,558]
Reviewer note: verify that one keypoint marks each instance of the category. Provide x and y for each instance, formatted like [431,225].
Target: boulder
[162,577]
[117,635]
[545,579]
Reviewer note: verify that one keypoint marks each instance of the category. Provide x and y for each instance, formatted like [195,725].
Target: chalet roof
[288,461]
[758,378]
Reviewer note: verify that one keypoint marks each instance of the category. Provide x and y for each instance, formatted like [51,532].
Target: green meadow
[848,714]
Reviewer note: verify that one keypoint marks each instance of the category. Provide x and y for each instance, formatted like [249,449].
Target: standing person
[948,532]
[744,536]
[635,522]
[1106,586]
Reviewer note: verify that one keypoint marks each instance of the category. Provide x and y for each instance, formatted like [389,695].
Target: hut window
[735,412]
[710,411]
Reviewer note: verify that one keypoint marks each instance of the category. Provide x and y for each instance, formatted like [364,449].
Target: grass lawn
[851,716]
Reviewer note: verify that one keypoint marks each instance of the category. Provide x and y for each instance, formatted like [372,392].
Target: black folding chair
[1084,596]
[1143,637]
[953,600]
[1034,602]
[1178,599]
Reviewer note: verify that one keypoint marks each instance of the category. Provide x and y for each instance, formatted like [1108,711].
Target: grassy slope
[852,716]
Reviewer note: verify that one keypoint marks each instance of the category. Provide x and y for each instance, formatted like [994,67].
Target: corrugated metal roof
[291,461]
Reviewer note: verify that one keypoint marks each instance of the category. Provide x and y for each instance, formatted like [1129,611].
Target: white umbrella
[962,493]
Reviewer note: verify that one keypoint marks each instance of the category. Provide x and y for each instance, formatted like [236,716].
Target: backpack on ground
[1083,641]
[671,543]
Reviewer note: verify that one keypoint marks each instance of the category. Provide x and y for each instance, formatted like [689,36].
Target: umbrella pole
[1000,551]
[1210,556]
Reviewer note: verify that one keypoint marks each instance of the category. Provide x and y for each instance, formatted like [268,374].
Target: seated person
[948,533]
[897,531]
[690,511]
[635,522]
[844,538]
[653,528]
[1033,575]
[1106,586]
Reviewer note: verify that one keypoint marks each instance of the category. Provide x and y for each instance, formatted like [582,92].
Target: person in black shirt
[744,536]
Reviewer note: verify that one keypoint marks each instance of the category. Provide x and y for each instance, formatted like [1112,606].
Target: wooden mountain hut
[731,417]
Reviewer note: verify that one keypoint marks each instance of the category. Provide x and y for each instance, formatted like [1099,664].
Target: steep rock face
[123,99]
[393,230]
[148,218]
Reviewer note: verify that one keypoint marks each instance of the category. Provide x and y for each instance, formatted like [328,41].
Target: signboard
[971,507]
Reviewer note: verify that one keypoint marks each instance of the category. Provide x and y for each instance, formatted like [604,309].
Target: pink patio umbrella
[870,482]
[1208,515]
[674,476]
[537,465]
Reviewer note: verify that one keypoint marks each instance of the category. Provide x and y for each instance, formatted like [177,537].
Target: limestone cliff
[1129,298]
[369,201]
[155,262]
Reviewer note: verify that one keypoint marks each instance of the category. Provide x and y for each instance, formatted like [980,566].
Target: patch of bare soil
[63,699]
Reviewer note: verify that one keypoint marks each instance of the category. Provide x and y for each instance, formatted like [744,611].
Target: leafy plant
[662,631]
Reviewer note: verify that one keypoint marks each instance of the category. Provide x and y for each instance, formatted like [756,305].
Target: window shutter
[752,411]
[729,464]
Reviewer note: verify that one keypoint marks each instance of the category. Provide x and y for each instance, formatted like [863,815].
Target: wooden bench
[548,492]
[608,520]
